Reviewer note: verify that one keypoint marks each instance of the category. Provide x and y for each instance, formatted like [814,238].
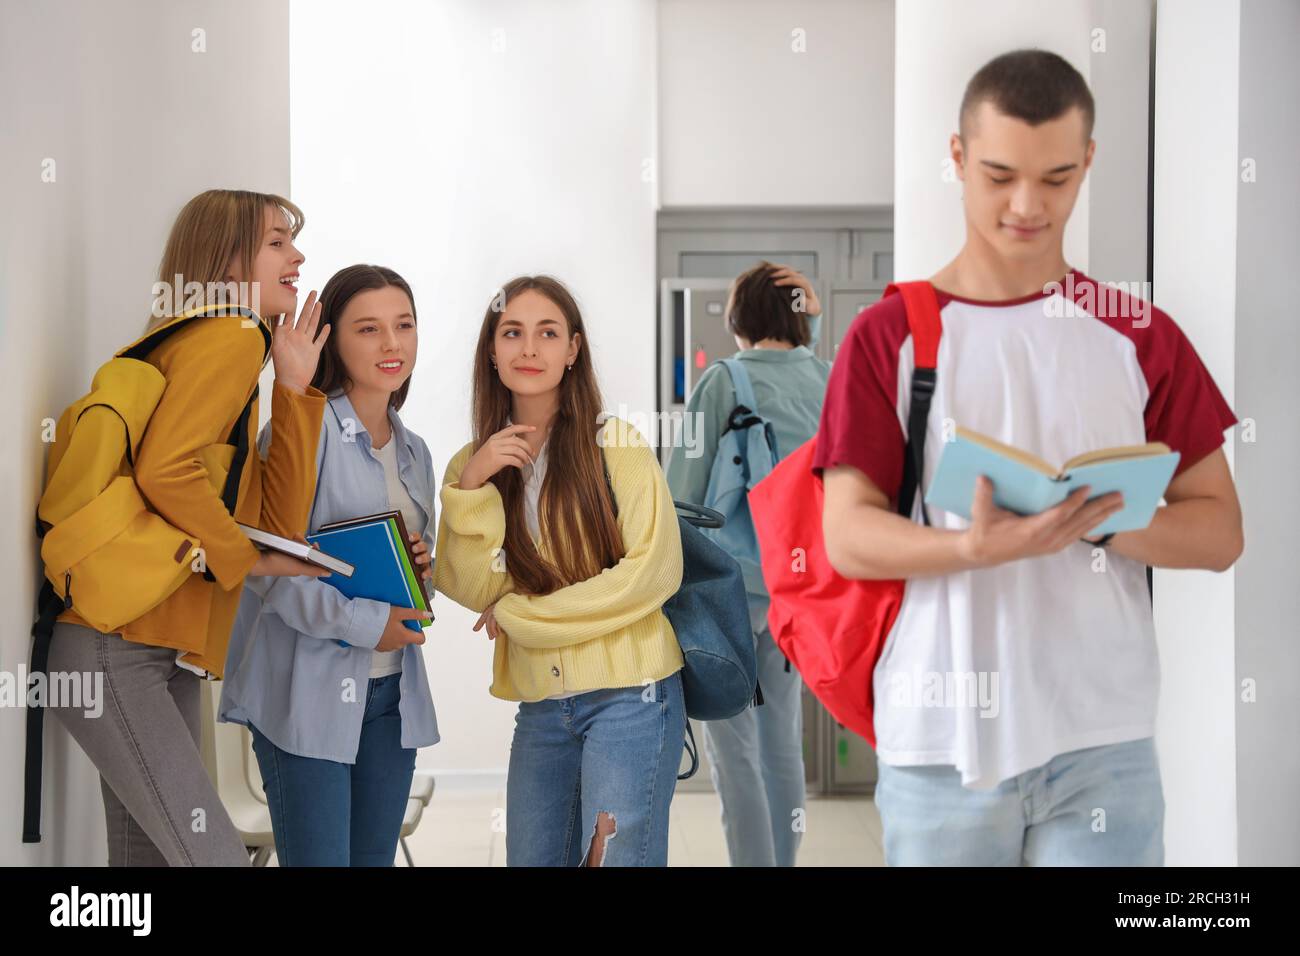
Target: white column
[1195,209]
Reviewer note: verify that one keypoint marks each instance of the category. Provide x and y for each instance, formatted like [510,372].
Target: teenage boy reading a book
[1064,654]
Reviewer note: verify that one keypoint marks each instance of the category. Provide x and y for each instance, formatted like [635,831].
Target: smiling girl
[570,584]
[146,743]
[332,688]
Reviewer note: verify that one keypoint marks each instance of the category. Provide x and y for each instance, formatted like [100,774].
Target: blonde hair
[213,227]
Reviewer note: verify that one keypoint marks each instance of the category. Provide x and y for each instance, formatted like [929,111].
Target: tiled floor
[458,829]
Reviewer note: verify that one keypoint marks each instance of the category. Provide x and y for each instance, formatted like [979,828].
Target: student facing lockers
[756,757]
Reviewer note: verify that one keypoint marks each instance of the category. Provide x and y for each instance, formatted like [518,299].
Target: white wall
[1195,209]
[1268,391]
[748,120]
[939,46]
[462,144]
[1225,268]
[136,123]
[1119,74]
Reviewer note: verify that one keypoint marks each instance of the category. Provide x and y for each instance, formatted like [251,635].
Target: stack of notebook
[386,570]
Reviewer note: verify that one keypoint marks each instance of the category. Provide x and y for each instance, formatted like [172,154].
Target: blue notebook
[383,573]
[1028,485]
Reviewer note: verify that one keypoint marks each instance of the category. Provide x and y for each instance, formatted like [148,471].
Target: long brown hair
[575,515]
[331,374]
[213,227]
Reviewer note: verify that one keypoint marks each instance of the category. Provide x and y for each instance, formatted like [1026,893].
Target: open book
[1026,484]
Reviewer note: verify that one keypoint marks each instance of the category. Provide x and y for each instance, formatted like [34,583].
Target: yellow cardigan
[607,631]
[210,367]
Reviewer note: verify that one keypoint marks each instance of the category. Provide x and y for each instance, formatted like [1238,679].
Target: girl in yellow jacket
[160,806]
[570,582]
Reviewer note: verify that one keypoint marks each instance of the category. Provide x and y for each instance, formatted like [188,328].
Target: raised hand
[506,447]
[786,276]
[295,348]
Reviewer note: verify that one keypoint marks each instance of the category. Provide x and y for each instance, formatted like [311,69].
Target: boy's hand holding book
[1020,506]
[997,536]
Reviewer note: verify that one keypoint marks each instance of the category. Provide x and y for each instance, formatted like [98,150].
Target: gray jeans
[160,805]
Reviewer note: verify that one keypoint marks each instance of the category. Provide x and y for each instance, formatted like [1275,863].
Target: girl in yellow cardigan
[160,806]
[570,584]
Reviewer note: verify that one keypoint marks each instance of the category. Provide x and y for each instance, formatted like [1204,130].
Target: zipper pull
[67,590]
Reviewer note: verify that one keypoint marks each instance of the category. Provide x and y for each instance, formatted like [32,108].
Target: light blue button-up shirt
[286,673]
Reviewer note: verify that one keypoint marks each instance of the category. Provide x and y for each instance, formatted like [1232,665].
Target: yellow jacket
[210,368]
[607,631]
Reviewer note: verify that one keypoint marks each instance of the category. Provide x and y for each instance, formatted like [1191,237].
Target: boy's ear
[958,151]
[1087,157]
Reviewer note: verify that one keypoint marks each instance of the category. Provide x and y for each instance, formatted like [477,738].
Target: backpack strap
[745,413]
[741,383]
[50,605]
[240,438]
[922,307]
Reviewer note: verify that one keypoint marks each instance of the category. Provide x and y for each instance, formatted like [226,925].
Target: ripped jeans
[607,756]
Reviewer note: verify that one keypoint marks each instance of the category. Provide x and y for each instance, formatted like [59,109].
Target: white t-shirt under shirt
[998,670]
[383,663]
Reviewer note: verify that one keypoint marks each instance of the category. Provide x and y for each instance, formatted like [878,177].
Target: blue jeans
[1100,806]
[610,751]
[756,761]
[326,813]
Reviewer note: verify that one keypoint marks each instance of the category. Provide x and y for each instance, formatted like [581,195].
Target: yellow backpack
[106,552]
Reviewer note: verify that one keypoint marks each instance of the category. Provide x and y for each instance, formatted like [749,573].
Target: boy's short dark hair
[1030,85]
[758,309]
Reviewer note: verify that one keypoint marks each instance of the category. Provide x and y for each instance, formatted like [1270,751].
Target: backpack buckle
[737,421]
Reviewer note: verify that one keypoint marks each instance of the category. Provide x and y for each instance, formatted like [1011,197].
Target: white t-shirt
[998,670]
[383,663]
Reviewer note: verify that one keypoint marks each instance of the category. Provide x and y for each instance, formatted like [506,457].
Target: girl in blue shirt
[334,689]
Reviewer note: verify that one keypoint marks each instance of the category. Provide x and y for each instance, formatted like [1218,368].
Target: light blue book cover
[379,574]
[1028,485]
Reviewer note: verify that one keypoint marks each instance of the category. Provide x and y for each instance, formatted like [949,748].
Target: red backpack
[830,627]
